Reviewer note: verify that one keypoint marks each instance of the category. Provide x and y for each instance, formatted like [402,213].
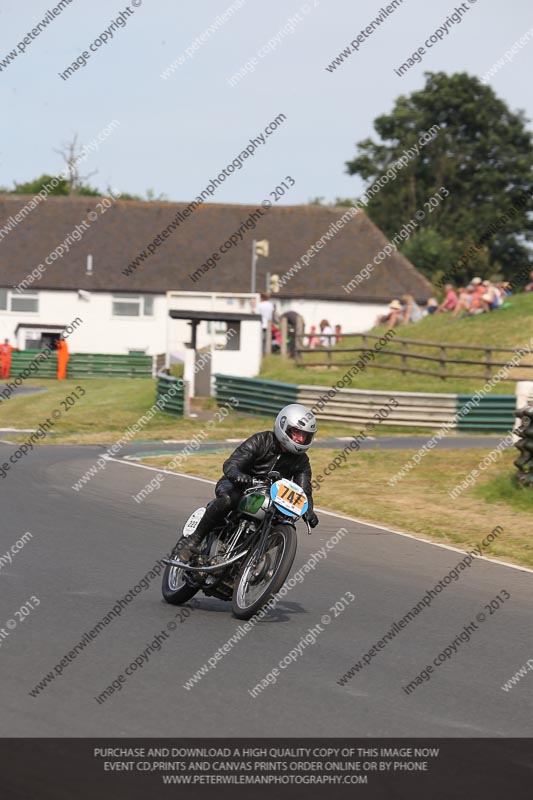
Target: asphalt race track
[90,547]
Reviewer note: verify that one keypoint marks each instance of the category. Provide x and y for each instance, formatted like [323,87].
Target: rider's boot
[189,546]
[215,512]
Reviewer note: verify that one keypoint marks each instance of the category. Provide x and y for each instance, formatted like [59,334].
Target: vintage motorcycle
[247,559]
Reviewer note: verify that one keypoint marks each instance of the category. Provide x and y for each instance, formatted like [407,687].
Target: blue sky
[176,134]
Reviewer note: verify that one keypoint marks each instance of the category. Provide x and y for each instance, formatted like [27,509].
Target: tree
[72,155]
[35,186]
[482,154]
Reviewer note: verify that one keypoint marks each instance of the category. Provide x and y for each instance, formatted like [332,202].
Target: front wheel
[258,582]
[175,588]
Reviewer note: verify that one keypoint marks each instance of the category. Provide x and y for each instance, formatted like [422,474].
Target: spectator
[413,312]
[338,334]
[450,300]
[464,299]
[295,328]
[394,316]
[432,306]
[490,299]
[529,286]
[476,302]
[313,340]
[327,339]
[505,289]
[266,309]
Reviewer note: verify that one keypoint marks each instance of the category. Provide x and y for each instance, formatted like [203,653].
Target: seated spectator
[464,299]
[476,293]
[432,305]
[529,286]
[413,312]
[490,299]
[450,300]
[394,316]
[505,289]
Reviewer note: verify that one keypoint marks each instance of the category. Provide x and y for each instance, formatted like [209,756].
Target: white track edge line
[342,516]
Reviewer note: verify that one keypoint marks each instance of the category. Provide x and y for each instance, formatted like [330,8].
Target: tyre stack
[524,432]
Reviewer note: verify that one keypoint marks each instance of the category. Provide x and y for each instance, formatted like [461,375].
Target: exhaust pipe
[184,565]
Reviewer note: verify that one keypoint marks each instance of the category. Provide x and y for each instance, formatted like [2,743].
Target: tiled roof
[116,237]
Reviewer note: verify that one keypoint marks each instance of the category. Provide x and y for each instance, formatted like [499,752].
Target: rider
[283,450]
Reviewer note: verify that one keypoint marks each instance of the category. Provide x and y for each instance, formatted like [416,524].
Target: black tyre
[175,588]
[256,584]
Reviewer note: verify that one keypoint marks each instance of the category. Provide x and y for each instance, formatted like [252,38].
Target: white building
[122,268]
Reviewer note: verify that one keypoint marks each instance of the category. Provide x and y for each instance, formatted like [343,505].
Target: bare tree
[71,155]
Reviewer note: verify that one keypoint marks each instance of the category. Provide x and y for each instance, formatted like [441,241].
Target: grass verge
[110,406]
[420,504]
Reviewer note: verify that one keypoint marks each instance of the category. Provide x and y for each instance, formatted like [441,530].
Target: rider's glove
[243,480]
[312,519]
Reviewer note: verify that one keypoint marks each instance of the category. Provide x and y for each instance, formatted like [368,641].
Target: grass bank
[508,327]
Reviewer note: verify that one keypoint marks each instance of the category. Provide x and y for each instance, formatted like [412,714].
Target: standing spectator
[326,340]
[313,339]
[529,286]
[295,327]
[450,300]
[413,312]
[339,338]
[62,359]
[5,358]
[266,309]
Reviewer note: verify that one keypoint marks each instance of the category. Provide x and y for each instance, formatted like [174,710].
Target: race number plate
[290,496]
[192,523]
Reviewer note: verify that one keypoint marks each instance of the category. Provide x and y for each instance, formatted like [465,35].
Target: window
[148,305]
[24,301]
[133,305]
[19,301]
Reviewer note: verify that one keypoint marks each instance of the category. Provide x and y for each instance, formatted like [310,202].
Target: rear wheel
[257,582]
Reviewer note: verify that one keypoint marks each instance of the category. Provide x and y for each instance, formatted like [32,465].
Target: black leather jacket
[261,453]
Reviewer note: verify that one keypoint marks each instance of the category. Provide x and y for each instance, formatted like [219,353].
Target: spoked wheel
[257,582]
[176,590]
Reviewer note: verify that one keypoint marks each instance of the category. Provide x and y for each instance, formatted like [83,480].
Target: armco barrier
[176,401]
[494,413]
[255,396]
[85,365]
[414,409]
[358,405]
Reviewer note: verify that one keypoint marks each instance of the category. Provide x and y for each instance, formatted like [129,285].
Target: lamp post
[258,249]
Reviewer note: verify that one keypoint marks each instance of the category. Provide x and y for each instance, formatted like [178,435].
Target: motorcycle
[249,556]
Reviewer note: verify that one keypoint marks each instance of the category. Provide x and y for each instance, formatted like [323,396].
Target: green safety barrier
[82,365]
[255,396]
[170,393]
[494,413]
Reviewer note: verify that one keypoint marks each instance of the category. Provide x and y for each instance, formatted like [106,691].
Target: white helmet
[291,420]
